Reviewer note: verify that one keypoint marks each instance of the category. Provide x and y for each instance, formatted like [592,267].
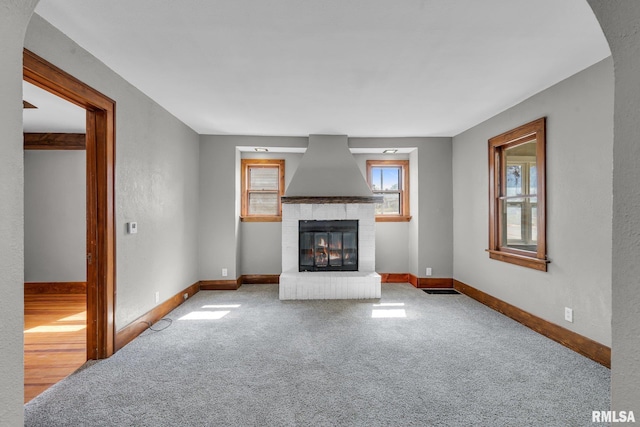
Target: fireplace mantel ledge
[320,200]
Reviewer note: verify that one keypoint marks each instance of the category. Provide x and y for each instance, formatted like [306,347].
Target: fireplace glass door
[328,245]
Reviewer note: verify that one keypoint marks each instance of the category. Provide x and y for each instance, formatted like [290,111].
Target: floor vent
[442,291]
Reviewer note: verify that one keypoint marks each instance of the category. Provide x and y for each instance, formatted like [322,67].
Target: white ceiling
[355,67]
[53,114]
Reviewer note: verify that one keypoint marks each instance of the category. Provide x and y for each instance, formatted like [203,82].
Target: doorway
[54,239]
[100,205]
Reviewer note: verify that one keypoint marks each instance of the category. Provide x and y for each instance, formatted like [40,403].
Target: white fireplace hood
[328,169]
[328,185]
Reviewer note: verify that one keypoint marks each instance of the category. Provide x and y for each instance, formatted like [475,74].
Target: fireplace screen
[328,245]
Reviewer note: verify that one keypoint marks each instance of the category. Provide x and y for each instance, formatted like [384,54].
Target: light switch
[132,227]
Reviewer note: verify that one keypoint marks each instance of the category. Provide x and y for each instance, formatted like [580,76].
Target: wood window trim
[404,193]
[244,208]
[527,132]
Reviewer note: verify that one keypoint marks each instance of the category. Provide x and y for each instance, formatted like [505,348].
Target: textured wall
[55,216]
[429,234]
[156,181]
[260,241]
[579,161]
[392,238]
[218,212]
[224,241]
[435,198]
[620,22]
[14,17]
[221,233]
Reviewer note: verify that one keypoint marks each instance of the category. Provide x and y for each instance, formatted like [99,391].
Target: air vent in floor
[442,291]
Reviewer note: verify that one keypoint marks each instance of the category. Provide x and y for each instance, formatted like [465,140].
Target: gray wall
[156,181]
[392,238]
[14,17]
[221,232]
[247,247]
[429,233]
[620,22]
[260,241]
[55,216]
[579,173]
[217,210]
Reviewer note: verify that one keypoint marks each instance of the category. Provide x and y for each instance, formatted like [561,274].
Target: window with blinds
[262,187]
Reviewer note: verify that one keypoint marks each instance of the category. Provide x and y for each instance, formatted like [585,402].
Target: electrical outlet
[428,272]
[157,297]
[568,314]
[185,296]
[224,272]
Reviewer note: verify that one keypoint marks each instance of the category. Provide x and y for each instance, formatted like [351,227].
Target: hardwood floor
[55,328]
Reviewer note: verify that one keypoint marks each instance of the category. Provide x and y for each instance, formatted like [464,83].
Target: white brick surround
[361,284]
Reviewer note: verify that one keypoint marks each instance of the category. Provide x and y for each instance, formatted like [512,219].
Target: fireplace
[328,245]
[328,227]
[347,226]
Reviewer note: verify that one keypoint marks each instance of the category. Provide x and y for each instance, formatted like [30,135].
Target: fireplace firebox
[328,245]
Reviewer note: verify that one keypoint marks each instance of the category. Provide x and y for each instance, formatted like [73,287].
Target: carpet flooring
[245,358]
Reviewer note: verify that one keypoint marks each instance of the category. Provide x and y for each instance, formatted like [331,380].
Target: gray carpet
[450,362]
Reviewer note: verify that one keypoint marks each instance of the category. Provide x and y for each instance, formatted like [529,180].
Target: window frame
[246,165]
[535,130]
[404,190]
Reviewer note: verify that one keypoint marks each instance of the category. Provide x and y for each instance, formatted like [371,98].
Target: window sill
[393,218]
[260,219]
[521,260]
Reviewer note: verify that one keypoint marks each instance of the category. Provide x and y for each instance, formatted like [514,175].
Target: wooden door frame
[100,151]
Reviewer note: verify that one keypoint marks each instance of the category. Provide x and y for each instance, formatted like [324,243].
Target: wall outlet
[185,296]
[224,272]
[428,272]
[157,297]
[568,314]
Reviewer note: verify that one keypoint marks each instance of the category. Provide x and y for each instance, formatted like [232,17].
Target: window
[517,196]
[390,178]
[262,188]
